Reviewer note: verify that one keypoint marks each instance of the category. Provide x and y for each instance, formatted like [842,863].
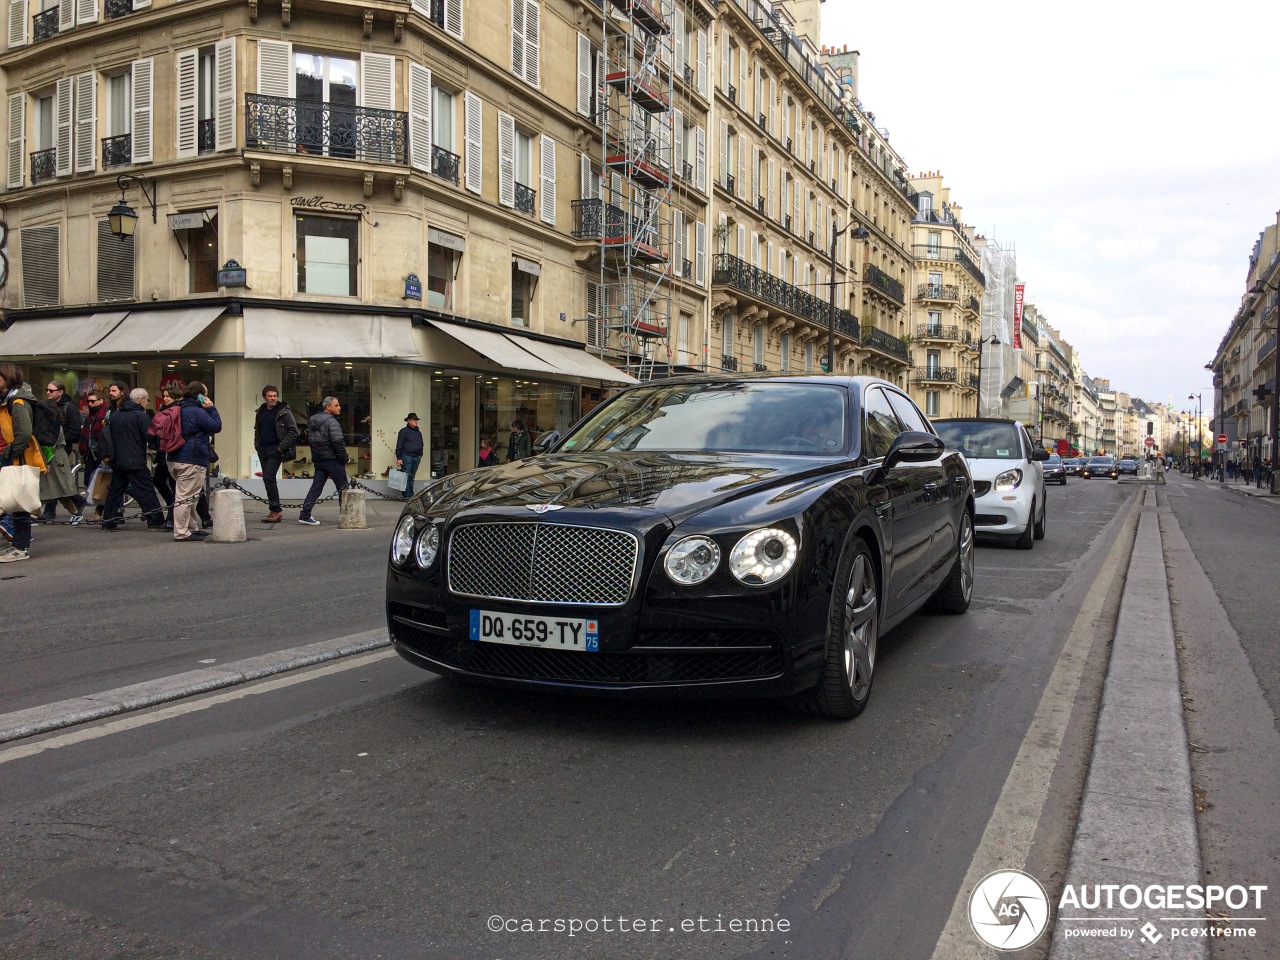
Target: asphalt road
[367,809]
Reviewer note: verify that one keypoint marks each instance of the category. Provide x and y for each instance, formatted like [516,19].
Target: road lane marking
[1006,842]
[194,705]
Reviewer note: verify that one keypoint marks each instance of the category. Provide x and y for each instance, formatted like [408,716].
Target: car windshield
[1054,458]
[981,441]
[757,417]
[1100,461]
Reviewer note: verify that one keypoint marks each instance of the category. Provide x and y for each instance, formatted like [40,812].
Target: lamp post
[995,342]
[1199,399]
[1260,288]
[122,218]
[857,233]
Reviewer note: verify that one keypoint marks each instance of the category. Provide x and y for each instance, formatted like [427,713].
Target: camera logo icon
[1009,910]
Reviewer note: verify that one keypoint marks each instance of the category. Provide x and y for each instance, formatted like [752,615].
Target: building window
[933,364]
[324,83]
[202,256]
[525,31]
[41,266]
[522,285]
[115,265]
[786,352]
[442,272]
[443,133]
[682,339]
[757,345]
[931,403]
[206,92]
[935,323]
[935,243]
[726,343]
[926,204]
[328,252]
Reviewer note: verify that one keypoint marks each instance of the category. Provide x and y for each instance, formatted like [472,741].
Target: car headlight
[763,556]
[402,541]
[692,560]
[1008,480]
[428,546]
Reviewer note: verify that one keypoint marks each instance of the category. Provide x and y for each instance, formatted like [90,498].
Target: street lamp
[1198,398]
[122,218]
[857,233]
[1258,289]
[995,342]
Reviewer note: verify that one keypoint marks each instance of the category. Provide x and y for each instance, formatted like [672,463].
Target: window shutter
[584,177]
[742,242]
[17,139]
[755,176]
[115,266]
[86,11]
[700,160]
[615,189]
[377,81]
[724,151]
[595,314]
[770,180]
[741,182]
[584,76]
[421,6]
[700,253]
[474,108]
[142,104]
[677,38]
[677,152]
[773,105]
[506,159]
[275,69]
[548,188]
[517,37]
[420,117]
[141,4]
[703,63]
[187,140]
[224,97]
[86,132]
[453,18]
[768,256]
[532,32]
[41,270]
[755,249]
[17,23]
[66,15]
[724,59]
[62,121]
[677,242]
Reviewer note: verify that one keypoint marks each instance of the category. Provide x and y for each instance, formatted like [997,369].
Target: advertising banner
[1019,294]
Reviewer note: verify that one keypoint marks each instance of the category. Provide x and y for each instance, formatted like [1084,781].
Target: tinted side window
[879,424]
[909,413]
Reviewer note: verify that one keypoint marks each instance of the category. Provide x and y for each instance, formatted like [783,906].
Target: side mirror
[546,442]
[1039,453]
[913,446]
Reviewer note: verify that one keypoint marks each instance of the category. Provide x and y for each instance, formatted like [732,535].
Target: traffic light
[1151,428]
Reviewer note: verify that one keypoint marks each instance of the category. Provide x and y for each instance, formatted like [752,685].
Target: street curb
[1137,822]
[138,696]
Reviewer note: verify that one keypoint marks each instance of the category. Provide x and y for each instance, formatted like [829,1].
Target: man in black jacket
[128,462]
[70,420]
[328,456]
[409,450]
[275,437]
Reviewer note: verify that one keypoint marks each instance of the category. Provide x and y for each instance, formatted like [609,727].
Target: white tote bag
[19,489]
[397,479]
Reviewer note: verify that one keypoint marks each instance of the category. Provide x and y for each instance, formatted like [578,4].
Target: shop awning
[157,331]
[289,334]
[493,345]
[58,336]
[576,362]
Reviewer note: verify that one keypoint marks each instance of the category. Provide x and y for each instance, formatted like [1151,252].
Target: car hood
[673,484]
[988,468]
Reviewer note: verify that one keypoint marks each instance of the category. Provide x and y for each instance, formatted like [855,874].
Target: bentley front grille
[542,563]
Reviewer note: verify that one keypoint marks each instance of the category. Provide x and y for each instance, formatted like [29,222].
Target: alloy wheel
[861,619]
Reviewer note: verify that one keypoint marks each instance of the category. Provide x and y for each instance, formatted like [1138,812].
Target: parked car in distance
[1055,470]
[1099,467]
[1008,481]
[705,536]
[1127,465]
[1072,465]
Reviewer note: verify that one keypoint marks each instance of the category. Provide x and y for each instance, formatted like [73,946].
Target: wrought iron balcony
[937,291]
[437,13]
[929,251]
[688,269]
[730,184]
[731,271]
[811,238]
[733,93]
[881,281]
[117,150]
[686,171]
[760,204]
[974,381]
[688,74]
[1265,350]
[887,343]
[932,374]
[525,197]
[729,363]
[926,331]
[326,129]
[44,164]
[44,25]
[118,8]
[207,134]
[444,164]
[786,222]
[762,121]
[789,145]
[760,367]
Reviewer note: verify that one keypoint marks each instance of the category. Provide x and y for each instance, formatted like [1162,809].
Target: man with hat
[409,450]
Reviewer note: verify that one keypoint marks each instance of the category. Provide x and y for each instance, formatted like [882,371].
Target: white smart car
[1008,480]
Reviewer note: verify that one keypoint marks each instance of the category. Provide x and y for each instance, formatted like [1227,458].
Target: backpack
[46,421]
[166,426]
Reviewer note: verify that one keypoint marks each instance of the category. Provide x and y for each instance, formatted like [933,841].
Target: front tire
[957,590]
[1043,523]
[842,691]
[1024,541]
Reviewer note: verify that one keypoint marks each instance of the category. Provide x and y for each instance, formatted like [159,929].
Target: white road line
[193,705]
[1006,842]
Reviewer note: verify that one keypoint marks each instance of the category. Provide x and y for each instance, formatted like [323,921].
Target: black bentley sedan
[697,536]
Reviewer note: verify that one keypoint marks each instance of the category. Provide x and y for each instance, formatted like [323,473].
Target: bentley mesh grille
[542,563]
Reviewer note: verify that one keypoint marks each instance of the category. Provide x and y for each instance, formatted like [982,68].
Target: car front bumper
[1003,511]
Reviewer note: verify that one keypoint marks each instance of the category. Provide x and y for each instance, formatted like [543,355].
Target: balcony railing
[762,121]
[730,271]
[688,270]
[326,129]
[929,251]
[44,164]
[118,8]
[117,150]
[760,204]
[877,339]
[733,94]
[730,184]
[44,25]
[444,164]
[437,13]
[931,374]
[686,170]
[729,363]
[1265,350]
[525,197]
[925,331]
[937,291]
[207,134]
[974,381]
[760,367]
[886,284]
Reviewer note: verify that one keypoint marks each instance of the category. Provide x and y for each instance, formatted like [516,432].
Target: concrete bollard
[227,507]
[351,510]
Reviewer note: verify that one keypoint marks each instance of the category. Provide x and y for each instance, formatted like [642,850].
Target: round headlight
[402,540]
[1009,480]
[692,560]
[763,556]
[428,546]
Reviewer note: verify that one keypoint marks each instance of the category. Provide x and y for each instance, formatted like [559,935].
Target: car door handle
[884,510]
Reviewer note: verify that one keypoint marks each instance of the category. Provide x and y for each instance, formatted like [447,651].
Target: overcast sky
[1129,151]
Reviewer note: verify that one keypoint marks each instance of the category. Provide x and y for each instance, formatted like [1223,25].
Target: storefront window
[203,257]
[79,381]
[542,405]
[304,388]
[446,401]
[327,254]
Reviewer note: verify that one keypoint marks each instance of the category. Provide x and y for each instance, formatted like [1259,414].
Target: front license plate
[551,633]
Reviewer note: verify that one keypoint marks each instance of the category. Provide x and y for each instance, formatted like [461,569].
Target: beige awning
[158,331]
[58,336]
[575,362]
[289,334]
[493,345]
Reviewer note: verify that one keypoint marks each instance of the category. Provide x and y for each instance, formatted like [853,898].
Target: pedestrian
[328,456]
[128,461]
[275,437]
[488,456]
[90,437]
[58,484]
[161,476]
[190,463]
[409,451]
[520,445]
[18,446]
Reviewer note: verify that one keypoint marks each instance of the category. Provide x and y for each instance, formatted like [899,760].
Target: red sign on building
[1019,294]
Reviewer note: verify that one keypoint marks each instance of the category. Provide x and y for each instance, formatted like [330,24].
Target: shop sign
[186,221]
[233,275]
[412,287]
[174,381]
